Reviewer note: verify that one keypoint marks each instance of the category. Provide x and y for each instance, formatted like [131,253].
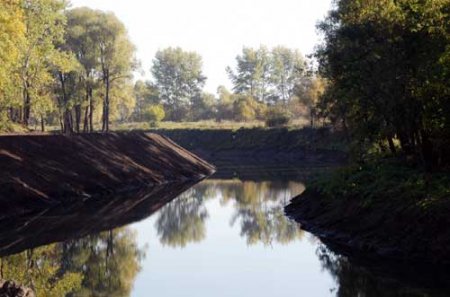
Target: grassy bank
[383,208]
[262,146]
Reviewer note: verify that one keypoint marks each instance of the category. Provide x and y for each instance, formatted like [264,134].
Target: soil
[387,231]
[39,171]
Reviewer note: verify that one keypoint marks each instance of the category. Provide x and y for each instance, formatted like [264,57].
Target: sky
[216,29]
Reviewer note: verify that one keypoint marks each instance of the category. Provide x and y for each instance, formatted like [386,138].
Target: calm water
[222,237]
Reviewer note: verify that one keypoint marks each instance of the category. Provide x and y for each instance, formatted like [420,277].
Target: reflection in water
[81,219]
[88,252]
[378,279]
[183,220]
[105,264]
[260,210]
[258,205]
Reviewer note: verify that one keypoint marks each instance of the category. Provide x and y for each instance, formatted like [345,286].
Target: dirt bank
[390,213]
[260,146]
[38,171]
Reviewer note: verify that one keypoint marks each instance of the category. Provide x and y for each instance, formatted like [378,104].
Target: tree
[116,56]
[251,76]
[12,37]
[179,79]
[203,107]
[224,104]
[146,95]
[155,113]
[80,40]
[287,71]
[44,22]
[309,92]
[268,76]
[385,62]
[246,108]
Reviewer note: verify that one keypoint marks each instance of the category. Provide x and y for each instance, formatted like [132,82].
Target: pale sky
[216,29]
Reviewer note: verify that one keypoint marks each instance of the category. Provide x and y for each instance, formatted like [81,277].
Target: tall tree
[116,56]
[179,78]
[12,33]
[80,40]
[287,71]
[252,74]
[388,72]
[268,76]
[146,95]
[44,21]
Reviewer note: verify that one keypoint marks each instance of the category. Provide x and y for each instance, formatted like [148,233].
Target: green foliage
[268,76]
[375,182]
[387,64]
[155,113]
[277,117]
[12,33]
[146,94]
[246,108]
[39,55]
[41,269]
[179,79]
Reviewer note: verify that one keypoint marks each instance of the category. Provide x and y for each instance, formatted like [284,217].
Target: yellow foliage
[12,30]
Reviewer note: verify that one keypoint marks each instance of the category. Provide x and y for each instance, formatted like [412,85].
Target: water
[222,237]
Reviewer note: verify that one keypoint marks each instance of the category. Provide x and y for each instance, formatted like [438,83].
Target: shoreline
[385,226]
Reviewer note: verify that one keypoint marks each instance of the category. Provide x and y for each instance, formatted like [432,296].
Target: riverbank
[382,209]
[252,147]
[43,170]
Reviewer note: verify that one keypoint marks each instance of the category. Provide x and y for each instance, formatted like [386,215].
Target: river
[223,237]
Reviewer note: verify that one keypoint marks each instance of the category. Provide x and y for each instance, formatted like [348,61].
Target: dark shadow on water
[369,277]
[78,220]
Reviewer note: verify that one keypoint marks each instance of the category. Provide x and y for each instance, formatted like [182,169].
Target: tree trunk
[77,117]
[105,127]
[392,145]
[68,127]
[86,120]
[91,111]
[427,152]
[26,106]
[42,124]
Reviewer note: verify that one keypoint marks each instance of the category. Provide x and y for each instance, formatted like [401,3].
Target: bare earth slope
[42,170]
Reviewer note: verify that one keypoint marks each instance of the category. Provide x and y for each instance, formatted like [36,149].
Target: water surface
[222,237]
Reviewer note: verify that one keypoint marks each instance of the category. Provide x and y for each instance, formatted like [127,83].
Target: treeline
[73,68]
[70,67]
[387,67]
[265,83]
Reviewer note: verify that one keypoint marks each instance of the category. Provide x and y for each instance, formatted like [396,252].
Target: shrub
[155,114]
[278,118]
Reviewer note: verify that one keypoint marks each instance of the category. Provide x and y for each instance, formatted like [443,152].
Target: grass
[201,125]
[385,181]
[165,125]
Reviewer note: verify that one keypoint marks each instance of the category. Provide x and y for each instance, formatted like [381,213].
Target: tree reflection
[183,220]
[258,209]
[105,264]
[357,280]
[41,270]
[108,261]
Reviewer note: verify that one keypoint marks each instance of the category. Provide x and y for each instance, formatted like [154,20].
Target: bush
[278,118]
[155,114]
